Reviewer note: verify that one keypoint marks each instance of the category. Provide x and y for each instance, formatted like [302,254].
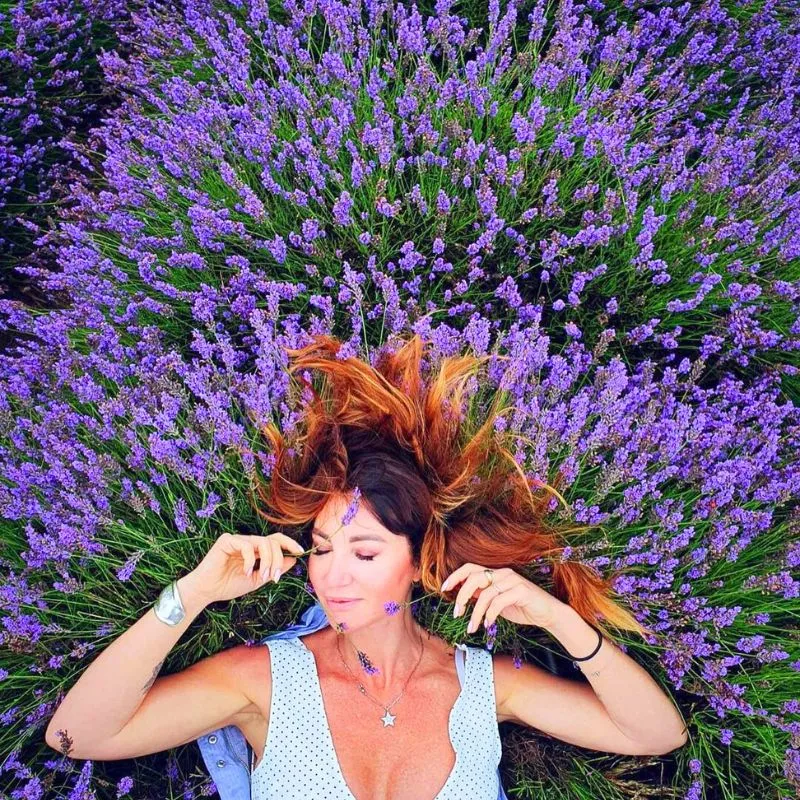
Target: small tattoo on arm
[595,673]
[64,742]
[154,675]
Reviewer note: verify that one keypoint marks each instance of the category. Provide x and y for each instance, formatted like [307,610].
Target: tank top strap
[461,652]
[297,733]
[478,712]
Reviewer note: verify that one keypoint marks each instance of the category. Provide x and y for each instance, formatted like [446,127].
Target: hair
[457,494]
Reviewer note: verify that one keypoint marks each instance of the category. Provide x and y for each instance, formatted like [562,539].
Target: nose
[334,572]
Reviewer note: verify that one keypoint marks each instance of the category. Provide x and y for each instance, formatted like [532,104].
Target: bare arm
[629,695]
[112,688]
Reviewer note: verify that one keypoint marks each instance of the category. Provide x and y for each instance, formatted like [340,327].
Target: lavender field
[603,197]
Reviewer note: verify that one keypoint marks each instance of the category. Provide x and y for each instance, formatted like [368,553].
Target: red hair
[456,493]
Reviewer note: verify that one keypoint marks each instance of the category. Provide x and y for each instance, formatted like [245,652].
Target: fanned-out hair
[458,495]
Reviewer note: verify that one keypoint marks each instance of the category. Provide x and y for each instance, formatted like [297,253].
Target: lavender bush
[606,195]
[52,91]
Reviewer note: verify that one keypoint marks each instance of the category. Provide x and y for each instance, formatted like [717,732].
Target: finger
[476,582]
[282,543]
[503,600]
[248,555]
[228,542]
[486,596]
[264,552]
[469,586]
[455,577]
[231,544]
[294,547]
[277,561]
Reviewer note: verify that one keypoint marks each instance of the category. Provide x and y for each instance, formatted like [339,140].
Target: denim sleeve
[227,757]
[501,795]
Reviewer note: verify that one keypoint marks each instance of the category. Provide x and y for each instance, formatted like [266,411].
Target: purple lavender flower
[125,572]
[352,508]
[391,607]
[491,635]
[341,209]
[211,504]
[368,667]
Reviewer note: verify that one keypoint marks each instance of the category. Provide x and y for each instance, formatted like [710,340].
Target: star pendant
[388,719]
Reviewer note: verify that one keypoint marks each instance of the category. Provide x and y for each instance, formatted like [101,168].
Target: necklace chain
[387,719]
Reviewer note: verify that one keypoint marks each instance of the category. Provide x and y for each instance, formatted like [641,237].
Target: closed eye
[358,555]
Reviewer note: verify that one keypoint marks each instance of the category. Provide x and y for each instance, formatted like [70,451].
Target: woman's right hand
[228,569]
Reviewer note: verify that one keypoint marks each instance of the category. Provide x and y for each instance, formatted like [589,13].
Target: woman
[372,705]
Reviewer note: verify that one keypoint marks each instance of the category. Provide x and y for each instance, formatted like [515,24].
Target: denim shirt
[227,753]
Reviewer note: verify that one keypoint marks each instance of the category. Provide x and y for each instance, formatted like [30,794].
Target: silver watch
[169,608]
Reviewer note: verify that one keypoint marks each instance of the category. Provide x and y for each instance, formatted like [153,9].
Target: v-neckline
[450,717]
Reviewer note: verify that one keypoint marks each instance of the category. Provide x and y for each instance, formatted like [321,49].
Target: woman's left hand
[509,596]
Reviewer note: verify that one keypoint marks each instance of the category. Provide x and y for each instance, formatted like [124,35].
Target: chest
[410,760]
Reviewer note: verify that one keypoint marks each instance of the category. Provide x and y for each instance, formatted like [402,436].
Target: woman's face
[362,560]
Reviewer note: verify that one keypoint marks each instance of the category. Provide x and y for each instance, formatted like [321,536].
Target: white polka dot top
[299,759]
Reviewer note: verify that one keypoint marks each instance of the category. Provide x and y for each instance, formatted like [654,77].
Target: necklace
[387,718]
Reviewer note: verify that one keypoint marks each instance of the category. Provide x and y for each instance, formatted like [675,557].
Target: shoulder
[505,675]
[253,664]
[254,671]
[514,680]
[503,672]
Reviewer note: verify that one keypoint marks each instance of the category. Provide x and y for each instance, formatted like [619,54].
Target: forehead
[354,537]
[363,527]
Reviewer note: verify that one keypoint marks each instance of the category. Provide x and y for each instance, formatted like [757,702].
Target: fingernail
[276,574]
[444,584]
[457,611]
[470,627]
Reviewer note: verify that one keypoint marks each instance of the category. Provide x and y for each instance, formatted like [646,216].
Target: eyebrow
[359,537]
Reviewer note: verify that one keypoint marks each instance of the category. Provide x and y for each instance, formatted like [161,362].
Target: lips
[342,602]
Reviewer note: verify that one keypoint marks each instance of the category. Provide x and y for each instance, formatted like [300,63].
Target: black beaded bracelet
[594,653]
